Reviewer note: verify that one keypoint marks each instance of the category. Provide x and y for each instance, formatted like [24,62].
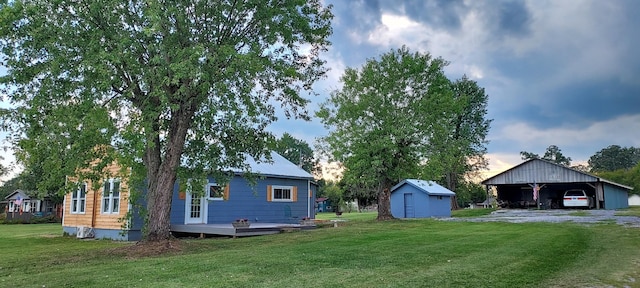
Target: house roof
[543,171]
[278,167]
[429,187]
[321,199]
[17,193]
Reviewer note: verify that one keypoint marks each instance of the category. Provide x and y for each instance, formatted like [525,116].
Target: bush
[33,220]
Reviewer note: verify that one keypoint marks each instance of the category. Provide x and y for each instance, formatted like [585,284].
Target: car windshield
[574,193]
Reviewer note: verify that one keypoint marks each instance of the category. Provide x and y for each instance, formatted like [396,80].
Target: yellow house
[102,212]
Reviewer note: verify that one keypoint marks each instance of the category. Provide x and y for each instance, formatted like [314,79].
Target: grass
[361,253]
[631,211]
[353,216]
[472,212]
[366,216]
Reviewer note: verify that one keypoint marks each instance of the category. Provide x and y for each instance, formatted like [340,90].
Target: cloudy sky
[563,73]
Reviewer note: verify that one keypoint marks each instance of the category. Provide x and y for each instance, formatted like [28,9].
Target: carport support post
[490,204]
[595,195]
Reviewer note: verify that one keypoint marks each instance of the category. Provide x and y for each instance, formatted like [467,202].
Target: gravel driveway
[554,216]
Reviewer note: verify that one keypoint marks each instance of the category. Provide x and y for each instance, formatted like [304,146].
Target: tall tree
[614,158]
[552,154]
[176,88]
[458,143]
[629,177]
[3,169]
[381,120]
[298,152]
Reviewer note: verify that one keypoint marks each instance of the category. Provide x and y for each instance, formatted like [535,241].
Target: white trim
[75,209]
[187,207]
[309,197]
[111,199]
[207,190]
[273,196]
[64,200]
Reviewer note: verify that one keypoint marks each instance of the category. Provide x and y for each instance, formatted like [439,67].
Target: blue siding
[439,206]
[250,202]
[425,205]
[615,197]
[177,206]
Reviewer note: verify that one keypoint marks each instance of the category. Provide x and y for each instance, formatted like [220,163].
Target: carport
[515,187]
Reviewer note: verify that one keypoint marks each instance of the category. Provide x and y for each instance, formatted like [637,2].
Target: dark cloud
[572,106]
[513,18]
[442,14]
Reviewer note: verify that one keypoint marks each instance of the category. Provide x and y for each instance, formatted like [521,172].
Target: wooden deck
[228,230]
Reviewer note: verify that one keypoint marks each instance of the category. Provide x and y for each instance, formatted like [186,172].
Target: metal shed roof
[278,167]
[543,171]
[429,187]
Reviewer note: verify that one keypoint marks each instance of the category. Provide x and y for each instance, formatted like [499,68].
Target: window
[78,199]
[214,192]
[282,194]
[111,196]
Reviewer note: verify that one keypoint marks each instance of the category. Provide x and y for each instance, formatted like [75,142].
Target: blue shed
[414,198]
[284,193]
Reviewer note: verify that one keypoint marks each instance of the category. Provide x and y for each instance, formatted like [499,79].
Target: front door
[195,210]
[409,211]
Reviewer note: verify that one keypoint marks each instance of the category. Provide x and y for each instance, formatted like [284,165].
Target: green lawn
[631,211]
[416,253]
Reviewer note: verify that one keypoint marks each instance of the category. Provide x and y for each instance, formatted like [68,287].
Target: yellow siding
[93,216]
[226,192]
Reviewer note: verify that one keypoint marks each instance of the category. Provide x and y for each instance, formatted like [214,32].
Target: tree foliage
[614,158]
[457,146]
[629,177]
[469,192]
[552,154]
[167,89]
[395,114]
[298,152]
[332,191]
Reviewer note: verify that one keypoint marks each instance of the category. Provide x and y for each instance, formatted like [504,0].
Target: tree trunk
[161,174]
[384,201]
[451,183]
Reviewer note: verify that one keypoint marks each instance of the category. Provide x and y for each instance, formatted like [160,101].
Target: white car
[576,198]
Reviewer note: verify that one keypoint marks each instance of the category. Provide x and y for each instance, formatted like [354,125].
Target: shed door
[195,210]
[409,211]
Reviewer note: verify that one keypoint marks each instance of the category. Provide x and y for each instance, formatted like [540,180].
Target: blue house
[323,204]
[414,198]
[284,193]
[283,196]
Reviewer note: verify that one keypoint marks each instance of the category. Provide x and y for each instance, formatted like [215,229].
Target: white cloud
[499,162]
[463,48]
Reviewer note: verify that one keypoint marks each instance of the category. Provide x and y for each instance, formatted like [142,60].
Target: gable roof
[17,193]
[543,171]
[428,187]
[280,167]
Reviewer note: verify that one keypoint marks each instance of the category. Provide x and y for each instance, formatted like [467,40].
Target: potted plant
[241,223]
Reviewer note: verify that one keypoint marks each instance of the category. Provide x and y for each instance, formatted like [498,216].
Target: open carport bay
[550,195]
[515,187]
